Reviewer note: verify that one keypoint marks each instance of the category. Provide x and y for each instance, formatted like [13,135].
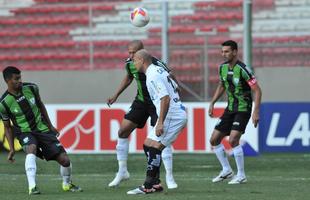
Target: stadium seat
[62,9]
[54,35]
[219,4]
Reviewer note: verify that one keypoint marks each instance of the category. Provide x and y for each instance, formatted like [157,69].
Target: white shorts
[172,128]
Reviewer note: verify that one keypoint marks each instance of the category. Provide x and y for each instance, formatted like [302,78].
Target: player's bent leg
[31,168]
[122,147]
[65,172]
[167,158]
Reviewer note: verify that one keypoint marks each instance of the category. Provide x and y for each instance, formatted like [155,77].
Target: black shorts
[48,146]
[139,113]
[233,121]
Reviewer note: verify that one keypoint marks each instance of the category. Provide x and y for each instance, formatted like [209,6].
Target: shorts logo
[26,140]
[236,123]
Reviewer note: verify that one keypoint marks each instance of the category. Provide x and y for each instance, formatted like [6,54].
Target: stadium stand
[60,34]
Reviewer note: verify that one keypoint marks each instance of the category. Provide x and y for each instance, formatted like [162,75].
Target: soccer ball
[139,17]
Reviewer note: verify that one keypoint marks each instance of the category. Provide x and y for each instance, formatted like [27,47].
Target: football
[139,17]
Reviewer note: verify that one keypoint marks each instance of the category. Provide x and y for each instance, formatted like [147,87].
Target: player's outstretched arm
[218,93]
[9,135]
[124,84]
[257,101]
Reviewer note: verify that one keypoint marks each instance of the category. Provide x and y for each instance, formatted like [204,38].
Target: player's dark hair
[9,71]
[232,44]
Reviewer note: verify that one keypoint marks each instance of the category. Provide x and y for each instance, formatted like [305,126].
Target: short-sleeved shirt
[159,84]
[237,82]
[142,93]
[23,110]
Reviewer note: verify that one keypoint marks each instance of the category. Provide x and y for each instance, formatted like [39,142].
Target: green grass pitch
[270,176]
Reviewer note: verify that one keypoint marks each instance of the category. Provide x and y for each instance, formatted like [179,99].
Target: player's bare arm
[257,101]
[9,135]
[46,117]
[218,93]
[164,107]
[124,84]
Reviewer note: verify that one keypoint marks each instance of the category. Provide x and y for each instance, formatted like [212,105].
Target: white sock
[122,148]
[222,157]
[65,172]
[239,158]
[31,169]
[167,160]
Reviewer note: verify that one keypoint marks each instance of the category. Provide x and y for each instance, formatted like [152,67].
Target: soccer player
[238,81]
[171,118]
[21,104]
[141,108]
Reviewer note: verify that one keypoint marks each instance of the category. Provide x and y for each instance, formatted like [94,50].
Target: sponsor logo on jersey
[20,99]
[236,81]
[32,101]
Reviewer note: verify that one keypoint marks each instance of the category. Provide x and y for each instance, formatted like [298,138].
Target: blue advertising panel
[284,127]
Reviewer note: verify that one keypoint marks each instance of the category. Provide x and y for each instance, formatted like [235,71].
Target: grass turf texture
[270,176]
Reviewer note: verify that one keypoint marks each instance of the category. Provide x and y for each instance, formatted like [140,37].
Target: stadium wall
[65,87]
[284,84]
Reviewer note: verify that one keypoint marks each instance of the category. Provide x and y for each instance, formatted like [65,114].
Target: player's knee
[157,145]
[123,133]
[66,162]
[214,141]
[233,142]
[63,160]
[31,148]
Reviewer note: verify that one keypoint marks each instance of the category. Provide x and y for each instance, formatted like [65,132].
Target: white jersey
[159,84]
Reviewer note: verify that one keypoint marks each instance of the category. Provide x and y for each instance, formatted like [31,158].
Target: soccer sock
[153,167]
[31,169]
[222,157]
[65,172]
[167,160]
[122,154]
[239,158]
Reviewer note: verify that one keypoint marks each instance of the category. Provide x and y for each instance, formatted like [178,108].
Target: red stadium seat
[219,4]
[62,9]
